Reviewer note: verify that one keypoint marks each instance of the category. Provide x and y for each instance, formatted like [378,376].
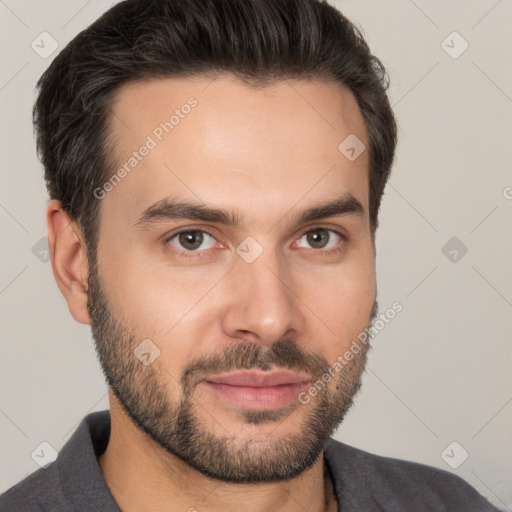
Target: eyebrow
[168,208]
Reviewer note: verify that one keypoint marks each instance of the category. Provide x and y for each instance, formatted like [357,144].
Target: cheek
[343,300]
[146,291]
[170,308]
[157,304]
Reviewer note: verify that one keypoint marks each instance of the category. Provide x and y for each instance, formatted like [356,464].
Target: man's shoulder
[73,481]
[345,456]
[29,495]
[385,483]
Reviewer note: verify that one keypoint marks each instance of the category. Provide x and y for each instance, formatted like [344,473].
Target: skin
[268,154]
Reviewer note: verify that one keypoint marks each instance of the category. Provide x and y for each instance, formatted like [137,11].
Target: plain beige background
[440,372]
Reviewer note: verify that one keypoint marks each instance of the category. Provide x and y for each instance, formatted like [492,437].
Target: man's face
[271,290]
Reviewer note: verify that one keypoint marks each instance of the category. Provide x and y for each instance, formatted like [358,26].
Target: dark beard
[176,427]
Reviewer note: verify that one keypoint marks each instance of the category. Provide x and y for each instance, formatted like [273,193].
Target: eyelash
[195,254]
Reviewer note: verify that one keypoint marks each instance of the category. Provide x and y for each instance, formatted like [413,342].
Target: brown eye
[321,238]
[318,239]
[192,240]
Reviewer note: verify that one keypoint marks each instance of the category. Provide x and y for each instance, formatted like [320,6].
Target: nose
[263,305]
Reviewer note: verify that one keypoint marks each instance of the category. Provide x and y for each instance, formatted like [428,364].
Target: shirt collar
[83,482]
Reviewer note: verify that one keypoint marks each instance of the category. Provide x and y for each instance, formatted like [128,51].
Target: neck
[143,476]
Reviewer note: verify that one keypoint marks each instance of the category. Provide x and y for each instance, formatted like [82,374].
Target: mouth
[258,390]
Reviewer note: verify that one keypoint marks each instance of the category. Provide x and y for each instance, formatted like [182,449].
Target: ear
[68,254]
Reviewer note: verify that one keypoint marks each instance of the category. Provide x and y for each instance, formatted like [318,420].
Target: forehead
[233,146]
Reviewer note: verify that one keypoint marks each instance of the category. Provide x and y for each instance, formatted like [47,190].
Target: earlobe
[68,254]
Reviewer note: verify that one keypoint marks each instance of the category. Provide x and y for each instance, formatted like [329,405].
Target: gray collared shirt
[363,482]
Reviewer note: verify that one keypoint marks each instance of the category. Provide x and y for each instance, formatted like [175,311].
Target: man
[215,169]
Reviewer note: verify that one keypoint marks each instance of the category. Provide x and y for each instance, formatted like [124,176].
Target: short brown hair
[259,41]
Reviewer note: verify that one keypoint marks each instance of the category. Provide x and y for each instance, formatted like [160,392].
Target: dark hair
[258,41]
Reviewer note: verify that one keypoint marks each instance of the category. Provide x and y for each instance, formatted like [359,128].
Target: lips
[257,390]
[258,379]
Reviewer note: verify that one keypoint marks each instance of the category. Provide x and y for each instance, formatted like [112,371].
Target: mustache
[283,354]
